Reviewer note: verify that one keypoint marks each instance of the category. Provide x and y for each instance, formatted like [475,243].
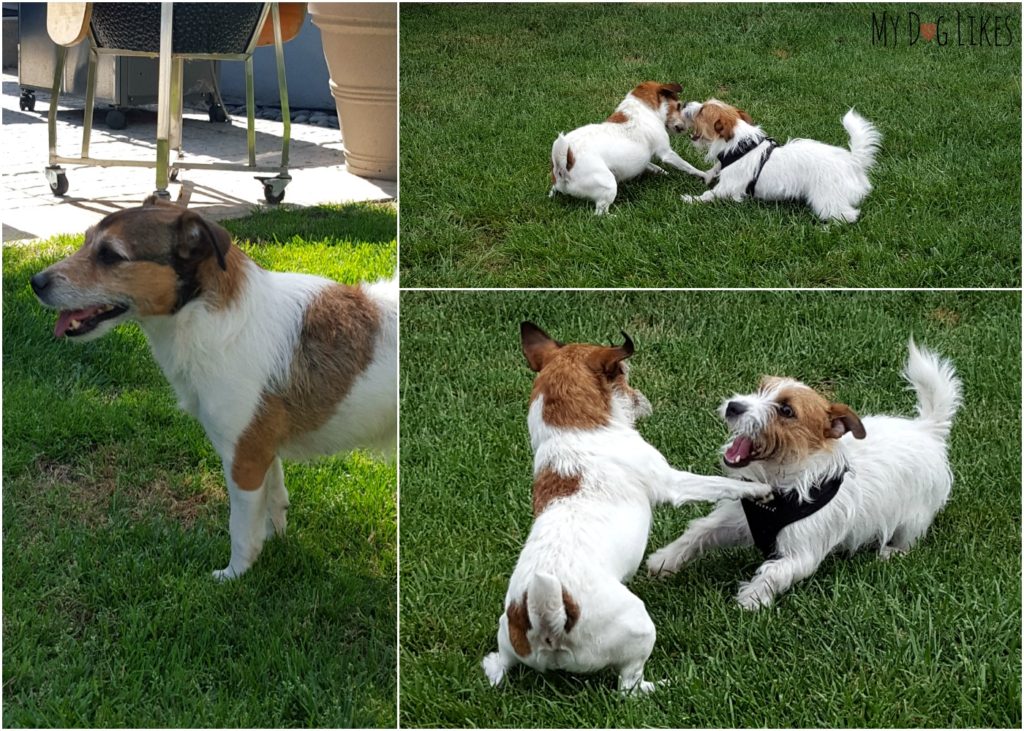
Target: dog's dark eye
[787,411]
[108,256]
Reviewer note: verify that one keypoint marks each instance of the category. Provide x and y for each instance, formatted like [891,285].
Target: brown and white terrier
[272,364]
[595,481]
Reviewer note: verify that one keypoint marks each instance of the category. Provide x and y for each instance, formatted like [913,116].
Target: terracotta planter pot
[361,45]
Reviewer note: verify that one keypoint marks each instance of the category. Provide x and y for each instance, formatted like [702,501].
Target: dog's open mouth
[78,322]
[741,452]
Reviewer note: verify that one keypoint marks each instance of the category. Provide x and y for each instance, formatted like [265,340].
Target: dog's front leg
[247,525]
[681,488]
[652,168]
[277,500]
[670,157]
[774,577]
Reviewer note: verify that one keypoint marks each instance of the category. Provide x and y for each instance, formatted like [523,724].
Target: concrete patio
[31,211]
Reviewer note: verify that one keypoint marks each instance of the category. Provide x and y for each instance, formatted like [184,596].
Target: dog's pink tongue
[739,450]
[66,316]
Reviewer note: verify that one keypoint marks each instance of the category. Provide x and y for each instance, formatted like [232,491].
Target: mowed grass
[929,640]
[486,88]
[115,513]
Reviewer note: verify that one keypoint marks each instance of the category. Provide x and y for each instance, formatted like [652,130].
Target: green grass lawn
[486,88]
[932,639]
[115,513]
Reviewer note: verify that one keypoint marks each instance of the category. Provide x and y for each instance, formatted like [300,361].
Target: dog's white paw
[753,597]
[642,688]
[225,574]
[663,562]
[688,198]
[494,668]
[887,552]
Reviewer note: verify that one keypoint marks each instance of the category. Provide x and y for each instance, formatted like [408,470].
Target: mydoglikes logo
[962,28]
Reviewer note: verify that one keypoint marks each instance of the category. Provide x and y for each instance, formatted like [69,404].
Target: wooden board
[293,15]
[68,23]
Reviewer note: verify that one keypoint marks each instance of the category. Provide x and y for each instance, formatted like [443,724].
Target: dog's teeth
[75,324]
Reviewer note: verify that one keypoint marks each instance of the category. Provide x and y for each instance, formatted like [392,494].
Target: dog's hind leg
[604,190]
[725,526]
[630,636]
[277,500]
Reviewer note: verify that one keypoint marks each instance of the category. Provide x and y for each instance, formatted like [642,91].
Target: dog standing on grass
[273,365]
[883,487]
[748,164]
[591,161]
[595,481]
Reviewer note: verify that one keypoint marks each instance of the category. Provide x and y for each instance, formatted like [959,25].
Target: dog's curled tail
[561,159]
[939,391]
[865,139]
[552,611]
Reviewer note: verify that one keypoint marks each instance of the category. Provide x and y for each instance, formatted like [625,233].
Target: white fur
[220,362]
[899,478]
[609,153]
[591,542]
[831,180]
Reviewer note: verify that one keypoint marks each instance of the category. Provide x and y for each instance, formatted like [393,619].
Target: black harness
[725,159]
[767,517]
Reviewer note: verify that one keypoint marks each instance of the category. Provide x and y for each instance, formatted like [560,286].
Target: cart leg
[51,120]
[90,101]
[250,111]
[177,103]
[164,111]
[282,84]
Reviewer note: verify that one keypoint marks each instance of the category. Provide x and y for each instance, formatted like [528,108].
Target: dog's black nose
[734,409]
[40,282]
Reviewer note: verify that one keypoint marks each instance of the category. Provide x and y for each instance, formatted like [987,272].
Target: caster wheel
[217,113]
[61,187]
[268,193]
[173,175]
[116,119]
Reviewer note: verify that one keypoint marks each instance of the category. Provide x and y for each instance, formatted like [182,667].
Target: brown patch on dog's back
[549,485]
[335,346]
[518,626]
[618,118]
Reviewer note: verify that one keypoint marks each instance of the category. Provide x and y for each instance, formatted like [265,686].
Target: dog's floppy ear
[744,116]
[537,345]
[607,360]
[842,420]
[199,238]
[672,91]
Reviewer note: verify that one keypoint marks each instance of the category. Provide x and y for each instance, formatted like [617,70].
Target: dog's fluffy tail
[561,159]
[552,611]
[865,139]
[939,391]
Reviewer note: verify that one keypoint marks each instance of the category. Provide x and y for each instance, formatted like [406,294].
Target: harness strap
[766,518]
[772,144]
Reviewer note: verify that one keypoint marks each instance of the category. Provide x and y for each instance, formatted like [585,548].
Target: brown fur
[570,159]
[653,93]
[717,120]
[618,118]
[518,626]
[815,423]
[576,380]
[549,485]
[335,345]
[572,610]
[519,621]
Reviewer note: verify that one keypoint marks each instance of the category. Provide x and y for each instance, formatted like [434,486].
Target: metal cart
[210,31]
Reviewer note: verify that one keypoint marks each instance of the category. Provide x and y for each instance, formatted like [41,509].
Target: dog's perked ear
[199,238]
[537,345]
[672,91]
[842,420]
[607,360]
